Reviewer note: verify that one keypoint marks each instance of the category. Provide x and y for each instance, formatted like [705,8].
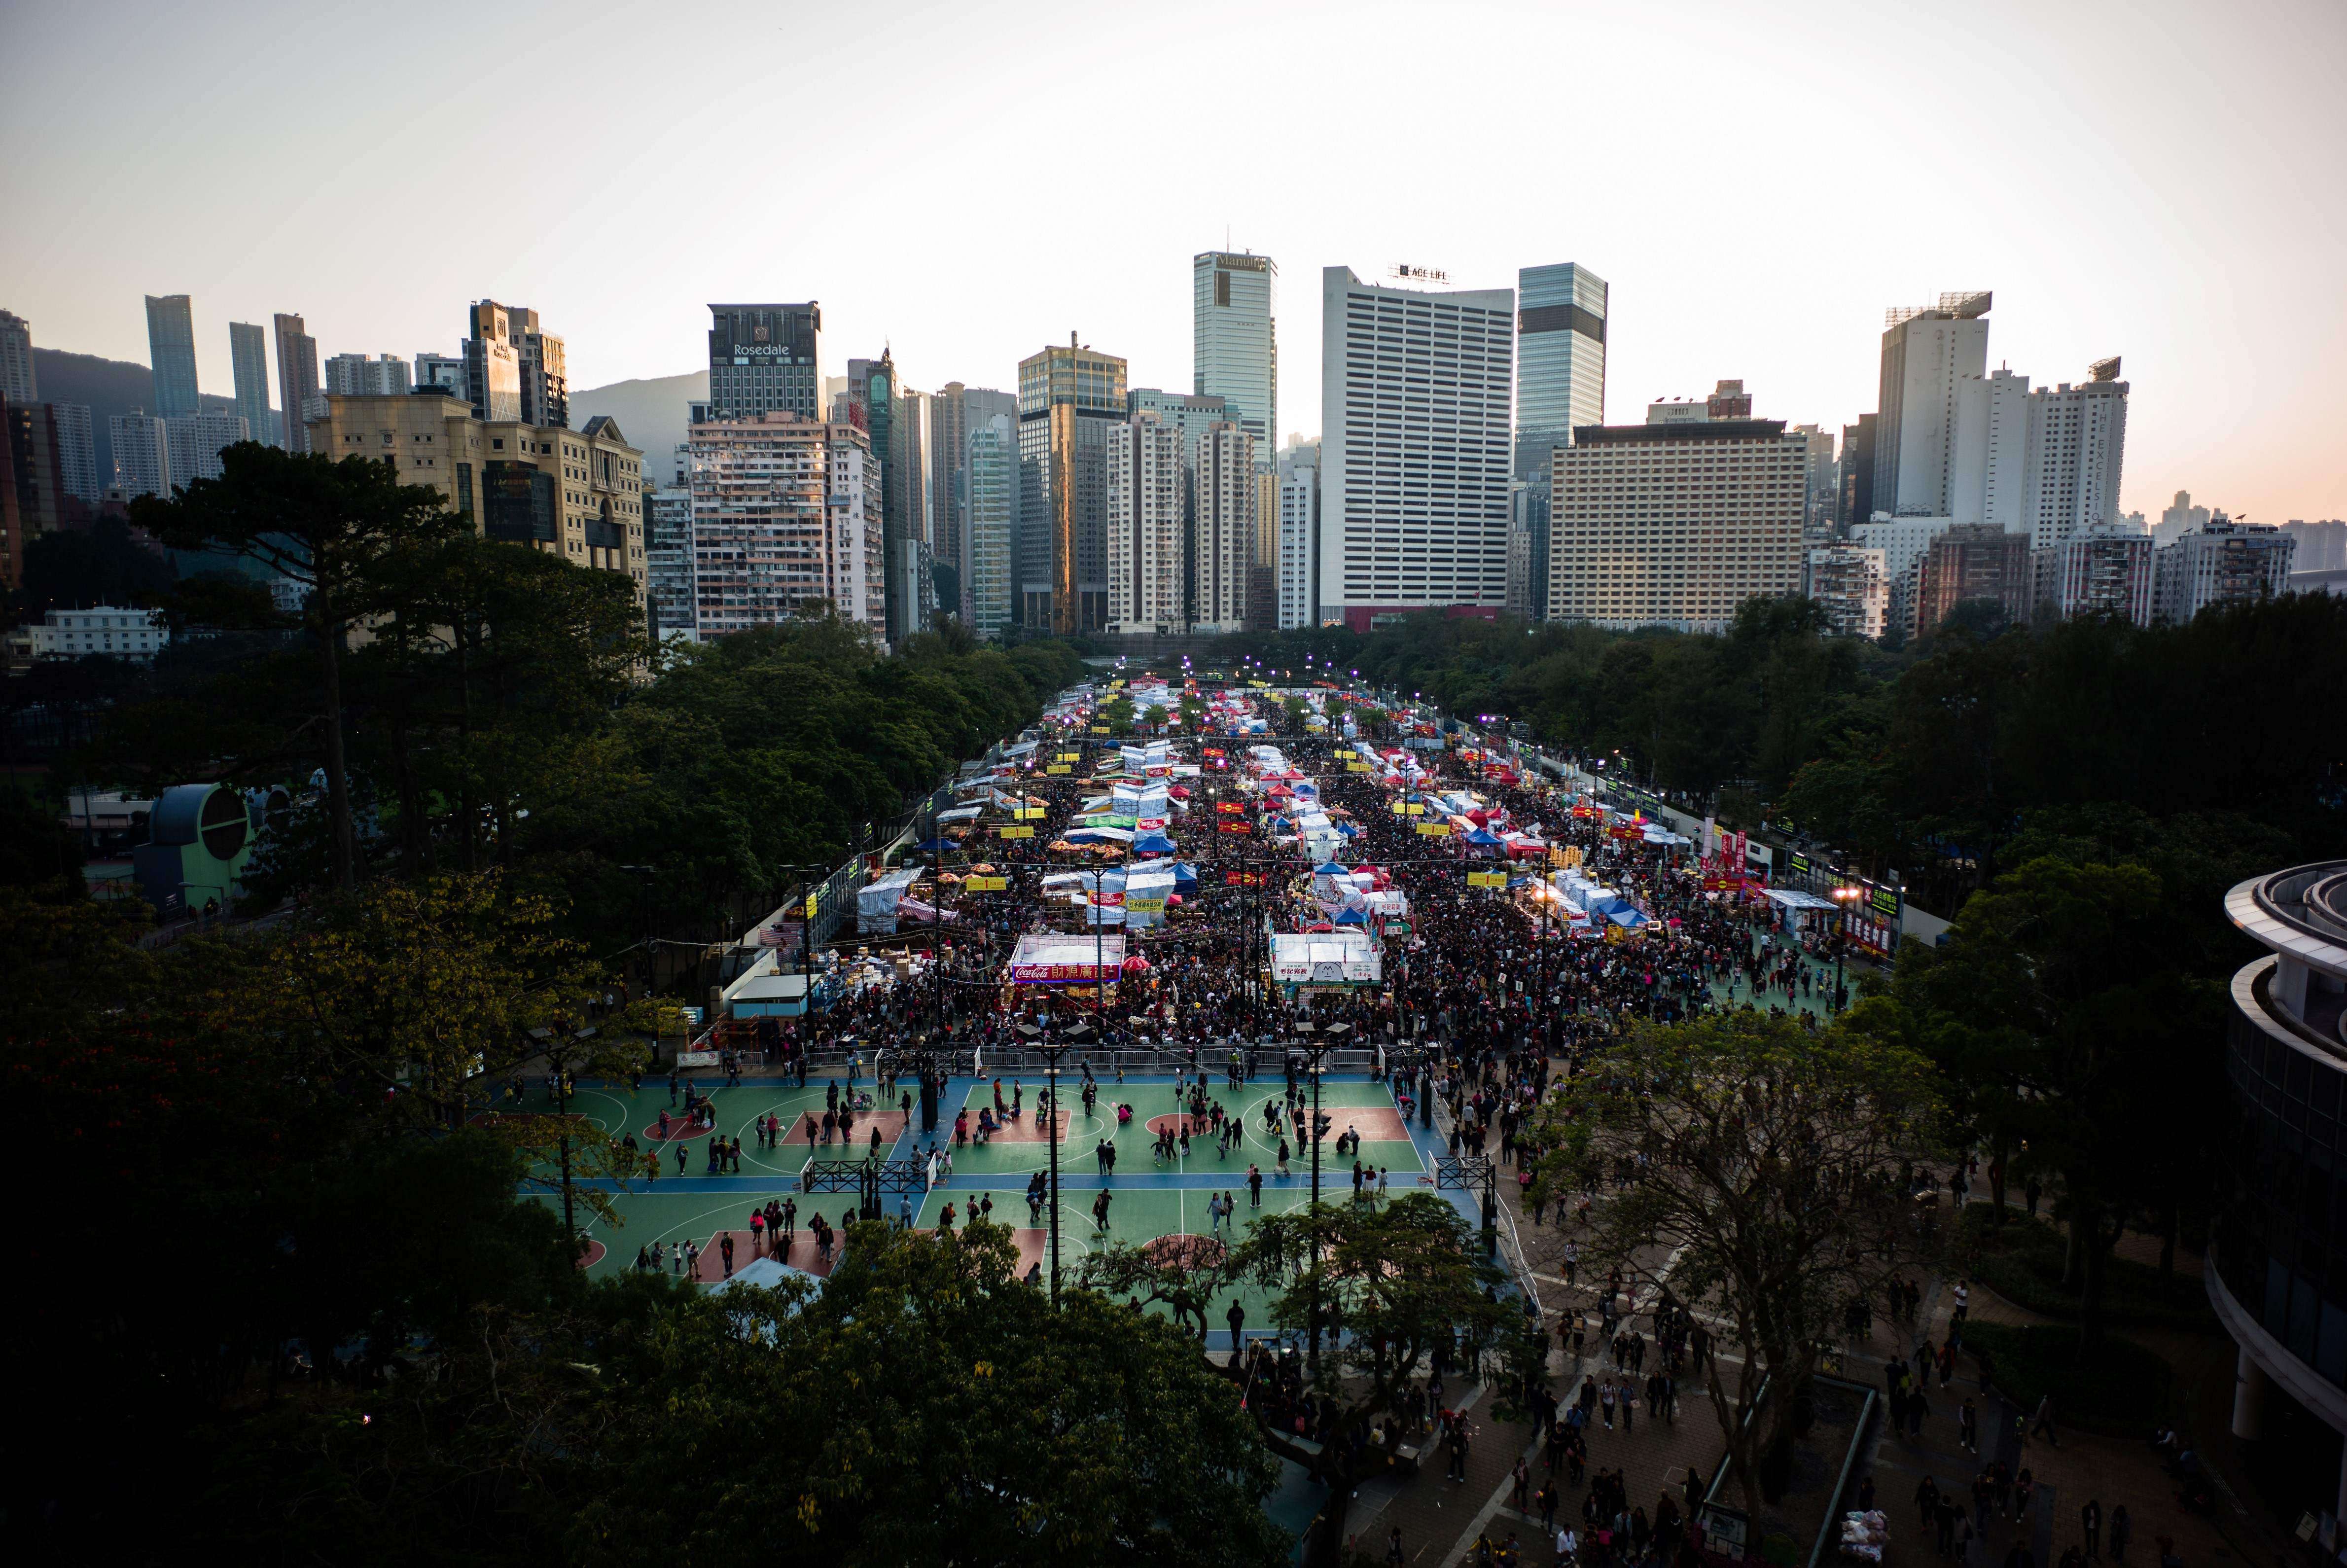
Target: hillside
[651,415]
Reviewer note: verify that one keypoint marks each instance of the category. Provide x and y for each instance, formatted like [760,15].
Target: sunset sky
[2167,182]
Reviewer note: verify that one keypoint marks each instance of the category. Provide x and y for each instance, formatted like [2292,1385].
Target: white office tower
[668,560]
[356,375]
[195,441]
[443,371]
[1234,340]
[1849,584]
[248,354]
[1299,542]
[989,487]
[2221,562]
[1415,449]
[2077,446]
[142,453]
[1147,563]
[1560,361]
[1927,353]
[1223,488]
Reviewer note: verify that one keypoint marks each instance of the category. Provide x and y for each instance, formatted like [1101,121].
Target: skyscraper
[297,380]
[1234,340]
[1068,399]
[1414,394]
[955,410]
[765,357]
[171,349]
[1823,480]
[385,376]
[17,380]
[1223,527]
[78,452]
[988,487]
[1146,475]
[1927,350]
[1855,503]
[248,354]
[1560,361]
[785,519]
[1299,538]
[142,453]
[492,364]
[195,441]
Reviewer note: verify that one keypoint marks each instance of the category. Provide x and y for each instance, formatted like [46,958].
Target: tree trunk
[338,783]
[467,814]
[2073,1256]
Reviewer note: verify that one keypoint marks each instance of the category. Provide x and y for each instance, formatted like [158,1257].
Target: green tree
[332,527]
[1392,1282]
[1761,1162]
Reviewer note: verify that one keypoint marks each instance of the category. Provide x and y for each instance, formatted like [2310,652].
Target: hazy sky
[2165,181]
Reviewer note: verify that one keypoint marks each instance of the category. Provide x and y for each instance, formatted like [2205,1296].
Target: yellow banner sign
[1357,767]
[1014,832]
[1487,879]
[1434,829]
[1057,768]
[986,884]
[1099,729]
[1413,808]
[1260,685]
[1068,757]
[1030,813]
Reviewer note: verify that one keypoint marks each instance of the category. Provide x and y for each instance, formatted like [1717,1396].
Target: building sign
[1403,272]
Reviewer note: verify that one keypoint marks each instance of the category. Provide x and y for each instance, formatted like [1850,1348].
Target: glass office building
[1560,361]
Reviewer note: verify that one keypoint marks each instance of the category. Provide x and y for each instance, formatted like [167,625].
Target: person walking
[2090,1520]
[1254,1186]
[1099,1210]
[2044,1419]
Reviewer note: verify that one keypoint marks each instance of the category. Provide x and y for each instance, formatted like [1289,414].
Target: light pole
[1843,896]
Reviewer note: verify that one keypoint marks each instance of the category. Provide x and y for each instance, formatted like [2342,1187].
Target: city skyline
[2076,191]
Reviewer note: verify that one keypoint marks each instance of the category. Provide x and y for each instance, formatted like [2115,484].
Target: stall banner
[1242,878]
[1056,768]
[1434,830]
[691,1058]
[1029,813]
[1357,767]
[1230,808]
[1014,832]
[1233,826]
[986,884]
[1487,879]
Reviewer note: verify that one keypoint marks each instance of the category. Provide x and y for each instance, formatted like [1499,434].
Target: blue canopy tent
[1185,875]
[1353,918]
[1484,837]
[935,846]
[1625,916]
[1153,843]
[1334,869]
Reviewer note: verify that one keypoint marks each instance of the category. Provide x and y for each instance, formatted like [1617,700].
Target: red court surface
[591,1253]
[890,1122]
[680,1131]
[1375,1124]
[1028,1129]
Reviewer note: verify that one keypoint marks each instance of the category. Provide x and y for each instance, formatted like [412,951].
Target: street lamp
[1844,897]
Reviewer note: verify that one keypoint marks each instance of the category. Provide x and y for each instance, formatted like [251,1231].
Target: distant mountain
[110,387]
[651,415]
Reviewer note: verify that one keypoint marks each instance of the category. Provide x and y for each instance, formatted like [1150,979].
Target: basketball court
[1151,1196]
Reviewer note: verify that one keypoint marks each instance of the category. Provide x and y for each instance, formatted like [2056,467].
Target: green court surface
[1368,1108]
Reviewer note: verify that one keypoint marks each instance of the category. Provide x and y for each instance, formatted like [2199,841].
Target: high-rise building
[248,354]
[33,500]
[2100,570]
[1675,524]
[441,372]
[954,412]
[2322,545]
[1299,541]
[78,452]
[1847,583]
[2077,450]
[2221,562]
[763,358]
[195,441]
[577,494]
[17,382]
[142,454]
[2181,518]
[1973,561]
[1560,313]
[297,380]
[668,558]
[1234,340]
[1068,400]
[1855,502]
[1223,527]
[356,375]
[1146,473]
[785,520]
[492,366]
[988,489]
[1528,542]
[545,371]
[1824,480]
[1414,396]
[171,349]
[1927,352]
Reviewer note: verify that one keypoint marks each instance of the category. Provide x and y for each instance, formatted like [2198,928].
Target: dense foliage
[1950,762]
[283,1308]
